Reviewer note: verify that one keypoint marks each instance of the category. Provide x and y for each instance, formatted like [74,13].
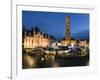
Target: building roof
[36,30]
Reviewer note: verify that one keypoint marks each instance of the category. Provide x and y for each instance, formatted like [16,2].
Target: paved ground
[52,61]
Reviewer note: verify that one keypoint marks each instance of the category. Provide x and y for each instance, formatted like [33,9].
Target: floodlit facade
[34,38]
[63,42]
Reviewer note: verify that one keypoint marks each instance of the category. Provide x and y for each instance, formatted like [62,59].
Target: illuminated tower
[68,39]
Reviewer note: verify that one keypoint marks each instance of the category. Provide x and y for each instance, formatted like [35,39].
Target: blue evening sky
[54,23]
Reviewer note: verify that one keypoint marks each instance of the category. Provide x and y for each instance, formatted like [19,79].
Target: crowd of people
[79,49]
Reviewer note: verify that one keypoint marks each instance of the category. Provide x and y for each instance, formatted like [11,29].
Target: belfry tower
[68,38]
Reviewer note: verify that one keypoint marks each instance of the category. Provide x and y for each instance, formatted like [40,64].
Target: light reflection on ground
[51,61]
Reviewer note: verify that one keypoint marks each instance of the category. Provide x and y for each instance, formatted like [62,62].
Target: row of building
[35,38]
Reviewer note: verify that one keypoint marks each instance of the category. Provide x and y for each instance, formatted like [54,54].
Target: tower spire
[68,38]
